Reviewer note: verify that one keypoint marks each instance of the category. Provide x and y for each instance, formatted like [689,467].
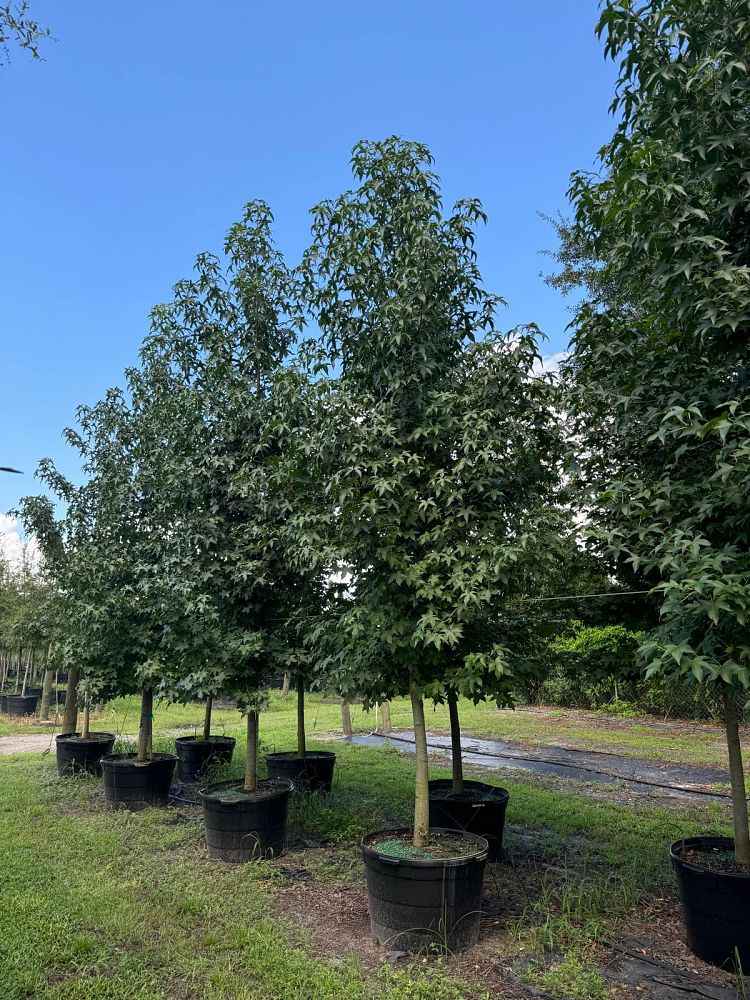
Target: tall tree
[437,446]
[659,377]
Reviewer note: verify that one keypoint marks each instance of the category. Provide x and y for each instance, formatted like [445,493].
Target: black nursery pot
[480,810]
[311,773]
[715,904]
[3,703]
[196,756]
[57,698]
[416,903]
[246,828]
[22,704]
[129,784]
[75,755]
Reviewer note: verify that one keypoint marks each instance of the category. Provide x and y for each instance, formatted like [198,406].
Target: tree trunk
[86,718]
[251,768]
[421,797]
[46,693]
[146,728]
[737,774]
[285,686]
[458,767]
[70,718]
[26,673]
[301,748]
[385,717]
[207,719]
[346,719]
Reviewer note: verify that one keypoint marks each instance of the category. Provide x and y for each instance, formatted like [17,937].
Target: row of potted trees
[369,506]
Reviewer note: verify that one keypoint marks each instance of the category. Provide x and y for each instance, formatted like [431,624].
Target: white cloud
[13,546]
[551,362]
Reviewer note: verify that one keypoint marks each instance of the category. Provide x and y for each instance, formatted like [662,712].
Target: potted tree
[308,770]
[438,449]
[212,360]
[659,401]
[68,609]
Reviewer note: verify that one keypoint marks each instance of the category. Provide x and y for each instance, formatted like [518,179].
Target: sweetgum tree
[435,451]
[659,377]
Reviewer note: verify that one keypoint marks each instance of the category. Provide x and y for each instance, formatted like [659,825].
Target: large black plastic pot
[3,703]
[34,691]
[22,704]
[75,755]
[246,826]
[480,810]
[311,773]
[57,698]
[715,904]
[196,756]
[416,903]
[129,784]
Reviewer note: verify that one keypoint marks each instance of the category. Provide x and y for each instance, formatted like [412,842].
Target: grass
[128,907]
[701,745]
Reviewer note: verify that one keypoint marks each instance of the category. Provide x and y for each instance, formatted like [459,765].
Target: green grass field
[128,907]
[698,745]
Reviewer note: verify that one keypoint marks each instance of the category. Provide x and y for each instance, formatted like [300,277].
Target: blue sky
[135,144]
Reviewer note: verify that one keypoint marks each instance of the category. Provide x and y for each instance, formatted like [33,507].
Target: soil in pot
[425,899]
[311,773]
[19,704]
[76,755]
[196,756]
[715,896]
[246,826]
[478,809]
[133,784]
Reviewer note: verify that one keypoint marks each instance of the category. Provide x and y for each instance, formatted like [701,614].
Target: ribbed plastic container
[22,704]
[311,773]
[129,784]
[196,756]
[417,904]
[75,755]
[715,905]
[484,817]
[246,828]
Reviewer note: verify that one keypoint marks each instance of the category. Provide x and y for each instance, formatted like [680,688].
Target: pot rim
[95,737]
[707,840]
[501,794]
[282,786]
[121,759]
[481,854]
[193,740]
[293,755]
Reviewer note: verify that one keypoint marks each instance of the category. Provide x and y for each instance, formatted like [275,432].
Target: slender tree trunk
[737,774]
[458,767]
[346,719]
[85,730]
[70,718]
[207,719]
[285,686]
[385,717]
[146,728]
[26,673]
[251,768]
[19,668]
[301,748]
[421,797]
[47,690]
[3,670]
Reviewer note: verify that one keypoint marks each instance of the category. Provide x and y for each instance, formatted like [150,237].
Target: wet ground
[673,780]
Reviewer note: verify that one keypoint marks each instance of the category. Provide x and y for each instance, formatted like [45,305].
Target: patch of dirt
[658,931]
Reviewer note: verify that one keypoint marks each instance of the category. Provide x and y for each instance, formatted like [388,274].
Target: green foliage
[659,373]
[436,450]
[18,27]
